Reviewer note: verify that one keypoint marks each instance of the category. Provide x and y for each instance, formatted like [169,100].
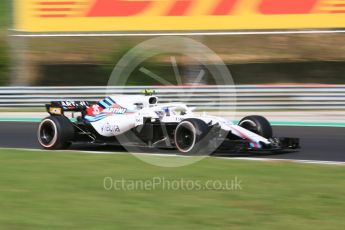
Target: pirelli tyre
[191,137]
[258,125]
[55,132]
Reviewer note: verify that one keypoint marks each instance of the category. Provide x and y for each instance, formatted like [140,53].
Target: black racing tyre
[258,125]
[55,132]
[191,138]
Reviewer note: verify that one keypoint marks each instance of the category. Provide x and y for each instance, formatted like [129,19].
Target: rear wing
[59,107]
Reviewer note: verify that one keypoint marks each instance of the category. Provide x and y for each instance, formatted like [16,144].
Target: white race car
[139,120]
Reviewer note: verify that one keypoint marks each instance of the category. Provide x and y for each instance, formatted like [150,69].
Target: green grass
[61,190]
[4,49]
[22,110]
[4,14]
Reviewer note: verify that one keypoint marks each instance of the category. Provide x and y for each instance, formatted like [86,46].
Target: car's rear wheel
[55,132]
[191,137]
[258,125]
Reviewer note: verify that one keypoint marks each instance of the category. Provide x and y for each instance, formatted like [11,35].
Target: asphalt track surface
[318,143]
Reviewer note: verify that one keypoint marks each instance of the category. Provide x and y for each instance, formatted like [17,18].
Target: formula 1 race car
[139,120]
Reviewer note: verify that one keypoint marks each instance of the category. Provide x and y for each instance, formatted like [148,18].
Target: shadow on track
[219,153]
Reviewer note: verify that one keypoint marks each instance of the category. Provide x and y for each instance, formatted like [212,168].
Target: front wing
[276,145]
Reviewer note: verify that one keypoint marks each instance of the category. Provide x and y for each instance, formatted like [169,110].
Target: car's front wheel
[258,125]
[55,132]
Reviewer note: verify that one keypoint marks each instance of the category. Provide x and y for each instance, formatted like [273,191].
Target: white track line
[338,163]
[290,160]
[179,33]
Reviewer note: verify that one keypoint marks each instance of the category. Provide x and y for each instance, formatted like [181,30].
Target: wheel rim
[47,133]
[249,125]
[185,137]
